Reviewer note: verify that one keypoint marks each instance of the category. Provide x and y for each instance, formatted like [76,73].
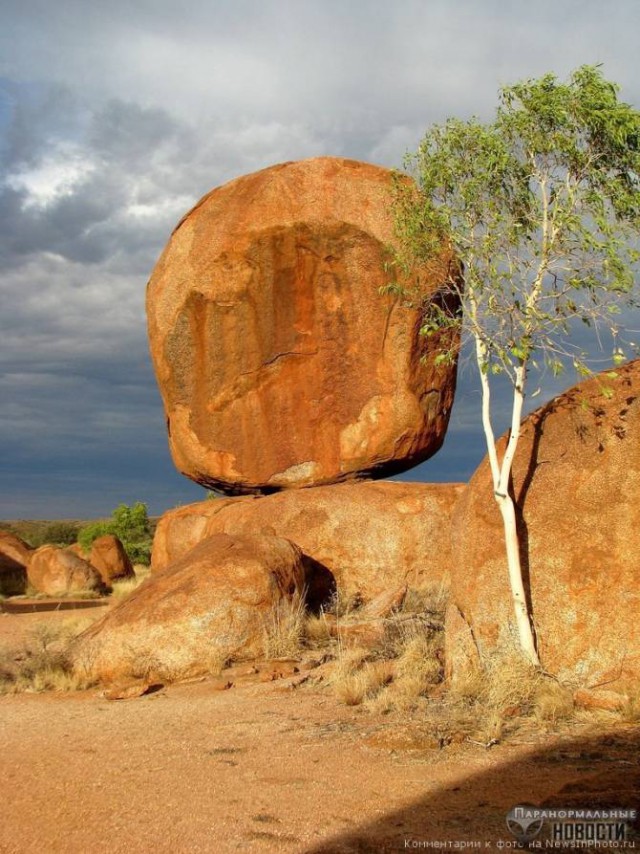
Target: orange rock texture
[185,621]
[576,481]
[279,363]
[59,572]
[109,557]
[371,536]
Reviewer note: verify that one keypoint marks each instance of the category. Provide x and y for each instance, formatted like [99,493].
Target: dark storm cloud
[35,114]
[278,57]
[96,191]
[115,118]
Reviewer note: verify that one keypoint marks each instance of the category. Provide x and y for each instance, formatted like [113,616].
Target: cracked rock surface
[279,362]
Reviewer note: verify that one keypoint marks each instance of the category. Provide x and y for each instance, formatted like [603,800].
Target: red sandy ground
[264,767]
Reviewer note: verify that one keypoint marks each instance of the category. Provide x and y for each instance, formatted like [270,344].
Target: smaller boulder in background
[109,557]
[61,572]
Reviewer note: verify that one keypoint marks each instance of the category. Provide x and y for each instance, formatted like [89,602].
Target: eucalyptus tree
[542,207]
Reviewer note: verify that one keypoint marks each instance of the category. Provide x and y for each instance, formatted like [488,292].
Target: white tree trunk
[518,596]
[501,476]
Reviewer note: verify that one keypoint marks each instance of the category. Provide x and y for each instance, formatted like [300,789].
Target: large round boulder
[214,604]
[60,572]
[367,537]
[576,482]
[279,362]
[15,555]
[109,557]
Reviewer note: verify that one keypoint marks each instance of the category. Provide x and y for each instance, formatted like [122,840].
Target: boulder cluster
[291,386]
[58,571]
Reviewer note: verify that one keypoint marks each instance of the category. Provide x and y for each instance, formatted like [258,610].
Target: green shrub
[91,532]
[59,533]
[139,552]
[130,524]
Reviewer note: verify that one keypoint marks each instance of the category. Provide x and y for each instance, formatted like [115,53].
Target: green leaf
[541,204]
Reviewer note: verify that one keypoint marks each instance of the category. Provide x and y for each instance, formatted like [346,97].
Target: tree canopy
[542,207]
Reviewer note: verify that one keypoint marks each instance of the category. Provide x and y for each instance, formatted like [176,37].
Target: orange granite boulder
[109,557]
[213,604]
[576,482]
[279,362]
[60,572]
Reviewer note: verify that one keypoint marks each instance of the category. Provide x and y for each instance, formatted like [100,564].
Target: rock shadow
[13,577]
[320,585]
[578,773]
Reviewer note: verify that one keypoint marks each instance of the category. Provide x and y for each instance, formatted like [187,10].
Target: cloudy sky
[115,117]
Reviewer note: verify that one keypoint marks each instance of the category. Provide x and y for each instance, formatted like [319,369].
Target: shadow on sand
[580,773]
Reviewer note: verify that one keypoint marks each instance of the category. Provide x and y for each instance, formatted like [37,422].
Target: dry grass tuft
[503,693]
[317,629]
[142,571]
[355,679]
[284,629]
[342,606]
[121,589]
[42,664]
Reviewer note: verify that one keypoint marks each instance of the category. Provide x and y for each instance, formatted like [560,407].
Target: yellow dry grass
[284,628]
[42,663]
[355,679]
[317,629]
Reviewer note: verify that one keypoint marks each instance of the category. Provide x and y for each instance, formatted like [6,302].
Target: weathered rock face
[59,572]
[576,480]
[180,530]
[370,536]
[186,620]
[278,361]
[14,559]
[109,557]
[77,549]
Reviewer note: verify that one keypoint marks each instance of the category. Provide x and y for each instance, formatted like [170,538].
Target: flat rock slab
[34,606]
[279,362]
[371,537]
